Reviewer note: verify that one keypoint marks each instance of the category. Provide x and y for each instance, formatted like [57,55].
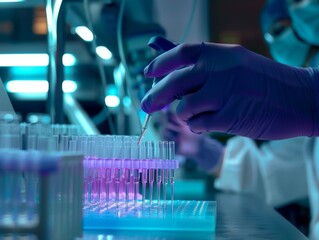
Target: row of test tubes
[37,188]
[38,182]
[114,167]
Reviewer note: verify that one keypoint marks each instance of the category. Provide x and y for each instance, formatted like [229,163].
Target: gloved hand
[227,88]
[207,152]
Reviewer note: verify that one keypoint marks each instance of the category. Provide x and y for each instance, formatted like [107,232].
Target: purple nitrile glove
[207,152]
[227,88]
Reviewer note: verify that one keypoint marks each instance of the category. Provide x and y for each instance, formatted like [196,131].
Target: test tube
[83,147]
[158,155]
[117,163]
[165,164]
[108,168]
[10,136]
[64,144]
[31,183]
[73,145]
[3,186]
[151,171]
[127,169]
[16,177]
[100,164]
[143,156]
[92,170]
[136,168]
[171,157]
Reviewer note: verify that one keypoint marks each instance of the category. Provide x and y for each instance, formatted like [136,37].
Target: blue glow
[32,59]
[37,86]
[112,101]
[68,59]
[103,52]
[27,86]
[28,72]
[84,33]
[127,102]
[69,86]
[10,1]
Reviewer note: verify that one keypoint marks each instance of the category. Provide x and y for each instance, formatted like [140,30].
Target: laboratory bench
[239,216]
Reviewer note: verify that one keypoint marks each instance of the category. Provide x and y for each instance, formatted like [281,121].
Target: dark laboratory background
[23,29]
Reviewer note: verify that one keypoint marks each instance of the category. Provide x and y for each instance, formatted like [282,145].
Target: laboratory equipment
[145,125]
[107,189]
[160,44]
[199,216]
[121,164]
[159,166]
[114,165]
[37,189]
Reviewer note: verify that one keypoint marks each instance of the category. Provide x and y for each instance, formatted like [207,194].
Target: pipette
[145,124]
[160,44]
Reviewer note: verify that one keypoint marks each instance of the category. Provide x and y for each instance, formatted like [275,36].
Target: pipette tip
[142,135]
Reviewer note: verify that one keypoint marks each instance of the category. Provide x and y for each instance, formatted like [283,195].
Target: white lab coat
[279,171]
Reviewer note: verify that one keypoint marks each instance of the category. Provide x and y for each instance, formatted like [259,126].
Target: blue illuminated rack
[179,216]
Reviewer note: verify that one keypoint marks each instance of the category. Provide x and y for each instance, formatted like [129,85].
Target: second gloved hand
[227,88]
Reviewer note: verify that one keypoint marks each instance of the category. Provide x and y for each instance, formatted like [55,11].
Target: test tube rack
[41,194]
[115,166]
[114,169]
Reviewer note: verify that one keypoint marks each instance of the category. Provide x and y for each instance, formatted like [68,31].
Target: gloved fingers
[174,86]
[205,100]
[208,122]
[174,127]
[180,56]
[173,119]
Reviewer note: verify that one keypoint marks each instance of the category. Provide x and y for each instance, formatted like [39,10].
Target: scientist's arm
[227,88]
[275,171]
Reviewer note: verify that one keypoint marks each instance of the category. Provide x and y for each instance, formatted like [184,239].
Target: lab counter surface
[239,217]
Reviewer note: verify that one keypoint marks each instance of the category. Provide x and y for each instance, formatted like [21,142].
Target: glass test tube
[165,168]
[3,186]
[127,169]
[117,164]
[108,169]
[64,144]
[151,171]
[31,183]
[143,156]
[171,157]
[92,171]
[87,190]
[100,164]
[136,168]
[158,156]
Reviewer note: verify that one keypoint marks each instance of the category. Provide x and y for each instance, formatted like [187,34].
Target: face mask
[305,20]
[286,48]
